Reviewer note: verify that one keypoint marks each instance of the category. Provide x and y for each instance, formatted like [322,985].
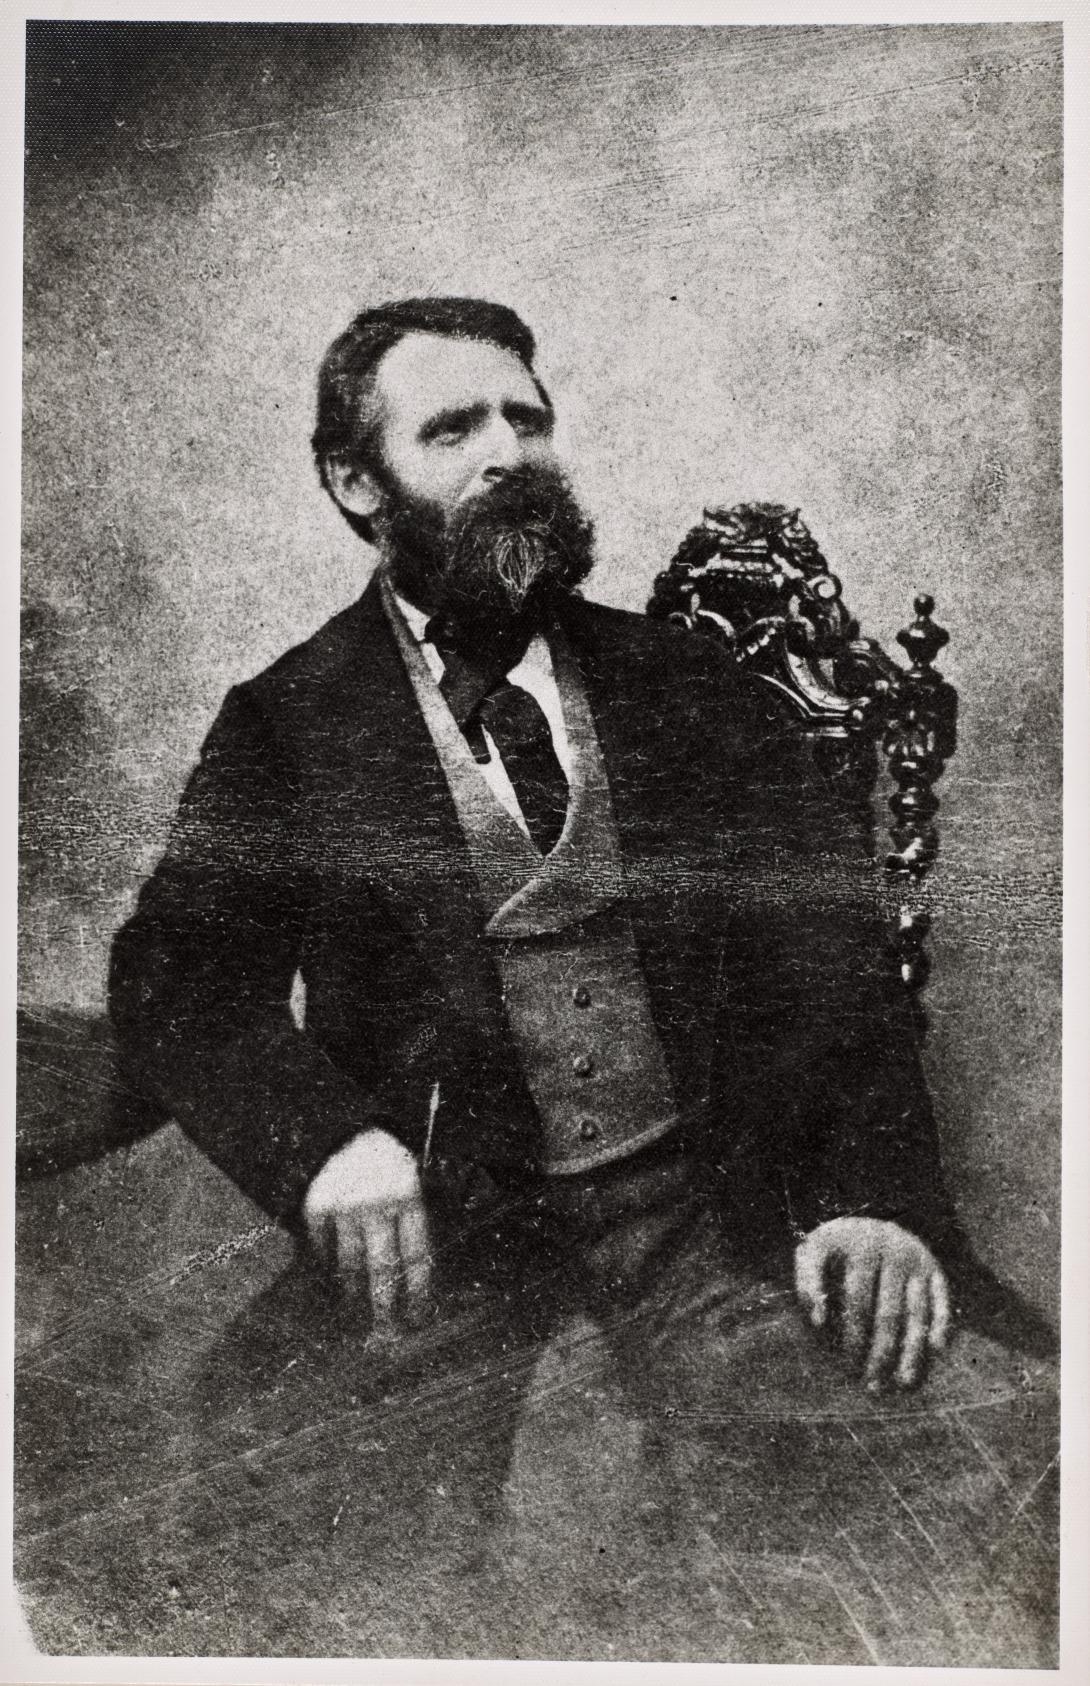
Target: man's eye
[449,435]
[530,426]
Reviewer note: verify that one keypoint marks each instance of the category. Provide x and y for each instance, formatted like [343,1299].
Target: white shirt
[533,673]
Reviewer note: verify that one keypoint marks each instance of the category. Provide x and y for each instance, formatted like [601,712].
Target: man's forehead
[427,372]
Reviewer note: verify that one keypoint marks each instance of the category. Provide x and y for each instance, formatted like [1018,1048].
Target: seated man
[596,1004]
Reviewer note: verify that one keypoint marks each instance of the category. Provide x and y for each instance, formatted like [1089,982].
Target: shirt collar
[415,619]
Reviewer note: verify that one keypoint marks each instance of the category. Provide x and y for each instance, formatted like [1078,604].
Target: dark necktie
[479,696]
[517,726]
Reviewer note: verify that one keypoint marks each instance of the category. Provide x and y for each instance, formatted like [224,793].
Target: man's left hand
[894,1301]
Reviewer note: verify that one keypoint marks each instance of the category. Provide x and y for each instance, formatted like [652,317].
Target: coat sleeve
[824,1034]
[201,975]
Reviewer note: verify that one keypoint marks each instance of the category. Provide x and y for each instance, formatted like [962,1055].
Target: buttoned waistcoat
[318,836]
[574,994]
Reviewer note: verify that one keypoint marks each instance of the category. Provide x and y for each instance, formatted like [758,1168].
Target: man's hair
[347,426]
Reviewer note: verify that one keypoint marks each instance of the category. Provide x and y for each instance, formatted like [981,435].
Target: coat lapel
[387,823]
[670,745]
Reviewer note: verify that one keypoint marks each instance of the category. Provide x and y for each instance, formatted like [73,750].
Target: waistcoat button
[588,1129]
[581,995]
[582,1065]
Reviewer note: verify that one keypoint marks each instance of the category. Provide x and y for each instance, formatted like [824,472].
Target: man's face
[456,415]
[476,518]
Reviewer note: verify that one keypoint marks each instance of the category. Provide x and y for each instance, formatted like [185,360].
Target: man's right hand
[365,1216]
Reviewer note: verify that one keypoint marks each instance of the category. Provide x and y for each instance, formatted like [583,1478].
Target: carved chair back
[754,577]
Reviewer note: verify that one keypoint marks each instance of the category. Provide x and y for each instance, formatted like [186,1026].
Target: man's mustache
[509,551]
[522,531]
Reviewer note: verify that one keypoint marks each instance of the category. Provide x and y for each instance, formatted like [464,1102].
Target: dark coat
[317,834]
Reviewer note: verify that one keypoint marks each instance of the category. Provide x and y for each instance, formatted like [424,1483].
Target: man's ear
[354,488]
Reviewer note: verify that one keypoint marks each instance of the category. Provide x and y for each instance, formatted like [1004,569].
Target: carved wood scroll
[753,576]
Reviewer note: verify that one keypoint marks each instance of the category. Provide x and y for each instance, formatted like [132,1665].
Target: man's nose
[503,450]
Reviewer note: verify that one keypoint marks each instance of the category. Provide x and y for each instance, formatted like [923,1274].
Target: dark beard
[496,570]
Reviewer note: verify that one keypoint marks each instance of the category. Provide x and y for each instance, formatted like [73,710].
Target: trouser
[694,1428]
[633,1239]
[633,1246]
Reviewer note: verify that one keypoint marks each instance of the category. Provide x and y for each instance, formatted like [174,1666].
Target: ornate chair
[754,577]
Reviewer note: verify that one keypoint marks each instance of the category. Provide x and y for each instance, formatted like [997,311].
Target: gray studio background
[814,265]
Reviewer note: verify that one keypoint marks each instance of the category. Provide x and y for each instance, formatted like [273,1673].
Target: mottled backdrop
[817,265]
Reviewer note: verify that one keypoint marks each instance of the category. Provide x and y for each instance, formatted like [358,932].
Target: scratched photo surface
[814,272]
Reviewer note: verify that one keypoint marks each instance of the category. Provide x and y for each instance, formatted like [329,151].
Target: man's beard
[497,567]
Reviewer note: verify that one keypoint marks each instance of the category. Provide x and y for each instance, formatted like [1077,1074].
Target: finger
[348,1249]
[380,1239]
[810,1258]
[885,1324]
[859,1284]
[320,1234]
[941,1311]
[914,1346]
[413,1245]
